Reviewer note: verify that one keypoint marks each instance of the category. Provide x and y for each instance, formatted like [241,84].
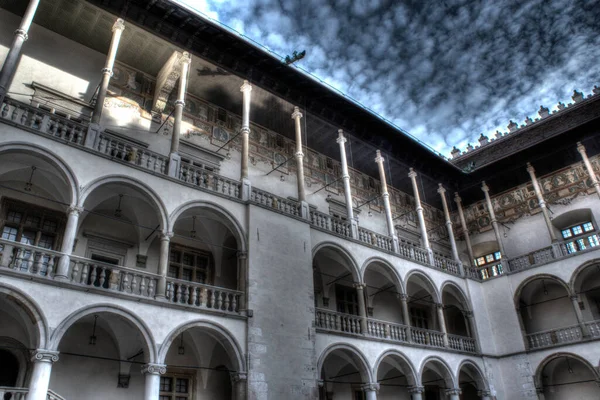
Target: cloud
[445,71]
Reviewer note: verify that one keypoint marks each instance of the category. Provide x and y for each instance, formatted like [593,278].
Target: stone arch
[474,372]
[403,361]
[218,332]
[443,369]
[363,364]
[463,296]
[575,275]
[427,280]
[533,278]
[354,269]
[61,329]
[56,161]
[228,219]
[129,181]
[20,353]
[38,320]
[551,357]
[388,267]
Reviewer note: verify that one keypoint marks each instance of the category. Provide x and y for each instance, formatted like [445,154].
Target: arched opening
[9,369]
[338,296]
[101,352]
[566,376]
[202,362]
[471,382]
[35,190]
[458,318]
[423,301]
[382,291]
[436,379]
[395,376]
[344,373]
[547,312]
[585,284]
[205,252]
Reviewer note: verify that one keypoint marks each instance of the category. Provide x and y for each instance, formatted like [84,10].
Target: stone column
[107,71]
[371,390]
[12,58]
[386,201]
[406,315]
[62,270]
[246,90]
[163,264]
[463,224]
[542,202]
[485,394]
[442,193]
[174,158]
[296,115]
[540,393]
[416,392]
[362,310]
[152,372]
[588,167]
[442,322]
[453,394]
[424,238]
[242,273]
[488,200]
[584,329]
[346,178]
[40,376]
[239,380]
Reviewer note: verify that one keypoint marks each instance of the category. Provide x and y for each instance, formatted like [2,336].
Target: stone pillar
[362,310]
[406,315]
[588,167]
[163,264]
[488,200]
[62,270]
[174,158]
[453,394]
[442,322]
[485,394]
[12,58]
[346,178]
[585,332]
[371,390]
[424,238]
[107,71]
[463,224]
[152,372]
[246,90]
[242,273]
[239,381]
[40,376]
[416,392]
[442,193]
[296,115]
[542,202]
[386,201]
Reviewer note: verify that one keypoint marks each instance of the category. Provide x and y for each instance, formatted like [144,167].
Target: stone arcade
[185,217]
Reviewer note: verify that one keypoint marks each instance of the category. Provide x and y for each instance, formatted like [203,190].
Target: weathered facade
[185,217]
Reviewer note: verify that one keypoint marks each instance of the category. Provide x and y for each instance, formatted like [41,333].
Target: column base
[174,165]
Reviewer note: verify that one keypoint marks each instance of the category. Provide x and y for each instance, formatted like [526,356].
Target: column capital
[186,58]
[457,198]
[22,33]
[166,235]
[370,387]
[484,393]
[238,376]
[416,389]
[412,174]
[119,25]
[574,297]
[242,255]
[296,113]
[453,391]
[441,190]
[485,187]
[467,313]
[530,168]
[439,306]
[378,158]
[179,102]
[320,382]
[359,286]
[246,87]
[43,355]
[581,148]
[403,296]
[341,138]
[154,369]
[75,210]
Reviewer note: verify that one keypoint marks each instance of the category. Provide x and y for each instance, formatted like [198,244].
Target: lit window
[580,243]
[480,261]
[593,240]
[14,216]
[571,247]
[577,230]
[9,233]
[588,227]
[489,258]
[567,233]
[489,264]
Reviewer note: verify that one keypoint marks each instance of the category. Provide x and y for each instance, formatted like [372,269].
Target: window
[419,318]
[346,299]
[190,265]
[489,265]
[175,387]
[32,225]
[583,237]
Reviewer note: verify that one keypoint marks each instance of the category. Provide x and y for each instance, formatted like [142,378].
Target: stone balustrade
[13,393]
[375,239]
[202,178]
[554,337]
[427,337]
[339,322]
[593,328]
[446,264]
[269,200]
[462,343]
[387,330]
[198,295]
[117,148]
[52,395]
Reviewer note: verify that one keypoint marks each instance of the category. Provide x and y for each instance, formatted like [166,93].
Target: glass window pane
[188,259]
[173,272]
[46,241]
[28,237]
[14,216]
[484,274]
[581,244]
[588,227]
[577,230]
[500,270]
[567,233]
[49,226]
[174,256]
[166,384]
[497,255]
[489,258]
[593,240]
[187,274]
[164,397]
[480,261]
[9,233]
[571,247]
[32,221]
[181,385]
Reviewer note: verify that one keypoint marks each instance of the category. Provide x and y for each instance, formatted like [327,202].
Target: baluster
[219,301]
[75,271]
[134,284]
[186,293]
[151,286]
[5,110]
[143,286]
[226,301]
[202,297]
[93,275]
[169,291]
[50,266]
[234,302]
[193,296]
[178,293]
[212,299]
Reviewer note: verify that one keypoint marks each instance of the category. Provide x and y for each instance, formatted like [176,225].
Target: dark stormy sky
[444,70]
